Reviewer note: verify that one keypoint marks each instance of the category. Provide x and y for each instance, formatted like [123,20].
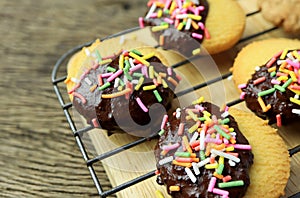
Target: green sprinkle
[225,121]
[202,155]
[167,11]
[266,92]
[159,99]
[202,118]
[137,74]
[161,132]
[98,56]
[221,132]
[127,75]
[106,85]
[273,73]
[287,83]
[231,184]
[121,82]
[164,23]
[127,65]
[182,154]
[111,69]
[280,88]
[220,169]
[136,52]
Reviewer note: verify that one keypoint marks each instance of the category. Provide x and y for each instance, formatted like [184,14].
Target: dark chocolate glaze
[280,102]
[175,175]
[181,41]
[121,114]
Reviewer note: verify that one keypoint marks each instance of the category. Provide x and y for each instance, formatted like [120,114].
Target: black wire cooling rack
[78,131]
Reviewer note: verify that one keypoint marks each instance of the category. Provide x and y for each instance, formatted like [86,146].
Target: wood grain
[39,157]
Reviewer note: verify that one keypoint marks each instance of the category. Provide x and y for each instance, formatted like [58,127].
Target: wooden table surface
[39,157]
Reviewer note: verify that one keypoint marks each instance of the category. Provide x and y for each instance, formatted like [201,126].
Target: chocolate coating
[181,41]
[280,101]
[171,175]
[121,114]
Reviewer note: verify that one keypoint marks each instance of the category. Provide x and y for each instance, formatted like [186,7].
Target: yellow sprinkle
[92,89]
[212,166]
[293,76]
[159,28]
[193,128]
[174,188]
[198,101]
[106,61]
[231,129]
[193,116]
[186,144]
[195,17]
[149,87]
[151,72]
[170,79]
[294,100]
[213,135]
[165,85]
[282,78]
[161,40]
[173,6]
[188,117]
[282,56]
[283,65]
[206,113]
[286,71]
[159,80]
[180,26]
[159,194]
[140,59]
[196,51]
[221,160]
[138,86]
[184,164]
[68,79]
[159,13]
[114,95]
[271,69]
[120,88]
[121,61]
[147,56]
[162,74]
[229,148]
[295,53]
[263,105]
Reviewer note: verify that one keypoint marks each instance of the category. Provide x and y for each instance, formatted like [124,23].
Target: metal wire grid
[77,132]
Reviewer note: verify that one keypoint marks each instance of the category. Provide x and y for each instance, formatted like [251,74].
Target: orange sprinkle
[174,188]
[218,175]
[184,164]
[170,79]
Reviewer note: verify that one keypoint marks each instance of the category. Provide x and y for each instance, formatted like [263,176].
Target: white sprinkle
[226,155]
[225,114]
[178,113]
[195,1]
[203,162]
[190,174]
[257,68]
[194,137]
[290,56]
[279,62]
[231,163]
[75,80]
[202,140]
[188,24]
[131,62]
[229,77]
[166,160]
[152,9]
[87,52]
[135,82]
[296,111]
[233,133]
[296,96]
[181,16]
[88,81]
[195,168]
[117,80]
[122,39]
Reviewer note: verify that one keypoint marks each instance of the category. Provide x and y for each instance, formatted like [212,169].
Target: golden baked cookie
[257,54]
[282,13]
[271,168]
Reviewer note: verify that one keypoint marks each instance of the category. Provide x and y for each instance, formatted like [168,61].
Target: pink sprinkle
[95,122]
[212,140]
[153,15]
[259,80]
[225,141]
[178,77]
[200,108]
[179,4]
[278,54]
[294,64]
[140,103]
[220,192]
[278,120]
[201,8]
[242,96]
[180,129]
[226,108]
[198,36]
[226,178]
[193,110]
[164,122]
[270,63]
[242,86]
[201,25]
[106,75]
[170,147]
[168,20]
[95,66]
[206,33]
[114,75]
[141,22]
[211,184]
[275,82]
[78,95]
[137,67]
[241,146]
[169,70]
[167,5]
[74,88]
[281,74]
[145,71]
[195,11]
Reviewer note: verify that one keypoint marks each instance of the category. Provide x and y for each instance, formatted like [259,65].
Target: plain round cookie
[271,168]
[282,13]
[257,54]
[225,23]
